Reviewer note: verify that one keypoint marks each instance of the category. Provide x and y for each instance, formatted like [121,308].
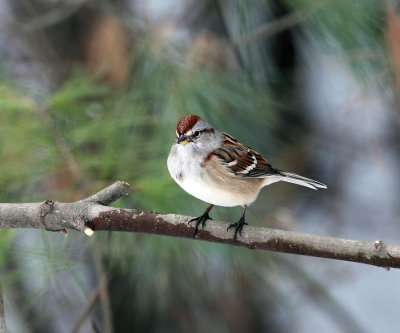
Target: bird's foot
[238,228]
[201,219]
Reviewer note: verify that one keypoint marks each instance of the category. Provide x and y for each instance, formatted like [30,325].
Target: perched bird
[218,169]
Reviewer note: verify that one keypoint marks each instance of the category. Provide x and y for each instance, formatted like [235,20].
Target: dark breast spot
[179,176]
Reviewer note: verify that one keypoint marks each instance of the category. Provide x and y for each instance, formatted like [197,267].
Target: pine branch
[285,22]
[92,214]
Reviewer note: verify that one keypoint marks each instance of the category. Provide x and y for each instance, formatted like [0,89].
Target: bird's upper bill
[182,139]
[186,123]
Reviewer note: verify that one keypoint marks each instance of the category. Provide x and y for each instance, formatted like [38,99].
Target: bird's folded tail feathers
[300,180]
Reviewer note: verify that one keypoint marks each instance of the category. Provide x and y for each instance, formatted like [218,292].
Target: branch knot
[45,208]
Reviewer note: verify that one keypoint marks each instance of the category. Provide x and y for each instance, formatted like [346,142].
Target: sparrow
[216,168]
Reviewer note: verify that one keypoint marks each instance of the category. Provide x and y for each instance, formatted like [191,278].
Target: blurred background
[90,93]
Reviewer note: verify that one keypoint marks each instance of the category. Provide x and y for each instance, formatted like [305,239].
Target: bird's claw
[201,219]
[238,228]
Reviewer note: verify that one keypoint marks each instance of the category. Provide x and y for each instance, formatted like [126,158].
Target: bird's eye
[196,134]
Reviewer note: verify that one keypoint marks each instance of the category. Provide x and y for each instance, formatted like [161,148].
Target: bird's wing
[242,160]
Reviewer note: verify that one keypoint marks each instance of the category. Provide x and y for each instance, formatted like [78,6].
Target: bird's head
[194,132]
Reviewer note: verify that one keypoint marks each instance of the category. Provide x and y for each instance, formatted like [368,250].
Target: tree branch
[91,213]
[90,303]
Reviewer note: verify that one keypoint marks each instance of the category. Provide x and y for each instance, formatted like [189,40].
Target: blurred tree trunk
[3,327]
[393,37]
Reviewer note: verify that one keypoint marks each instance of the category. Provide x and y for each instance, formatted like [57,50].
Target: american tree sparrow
[218,169]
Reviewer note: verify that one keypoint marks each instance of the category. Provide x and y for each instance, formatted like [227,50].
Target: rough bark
[93,214]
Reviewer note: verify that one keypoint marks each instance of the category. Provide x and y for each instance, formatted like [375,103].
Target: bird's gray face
[200,139]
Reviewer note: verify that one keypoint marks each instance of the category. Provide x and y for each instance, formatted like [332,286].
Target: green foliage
[351,24]
[126,134]
[351,30]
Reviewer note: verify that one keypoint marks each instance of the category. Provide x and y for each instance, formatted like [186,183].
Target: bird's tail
[300,180]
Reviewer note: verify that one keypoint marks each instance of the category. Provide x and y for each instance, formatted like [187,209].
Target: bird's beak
[182,139]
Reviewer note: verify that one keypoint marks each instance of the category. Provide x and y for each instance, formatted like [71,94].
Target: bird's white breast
[210,193]
[187,171]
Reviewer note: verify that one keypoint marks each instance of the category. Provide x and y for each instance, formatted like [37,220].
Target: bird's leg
[238,225]
[201,219]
